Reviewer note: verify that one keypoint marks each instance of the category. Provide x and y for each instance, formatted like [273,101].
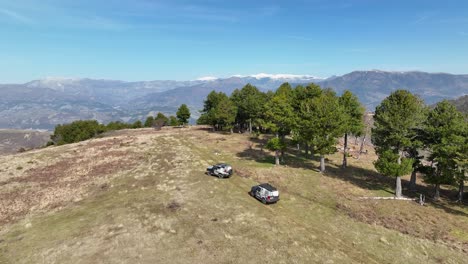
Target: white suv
[265,193]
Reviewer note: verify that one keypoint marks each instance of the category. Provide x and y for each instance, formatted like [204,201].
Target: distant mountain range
[47,102]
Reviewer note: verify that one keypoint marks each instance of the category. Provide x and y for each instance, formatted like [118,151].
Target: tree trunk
[277,161]
[398,187]
[231,130]
[283,138]
[250,126]
[322,163]
[437,192]
[345,161]
[461,189]
[306,150]
[298,146]
[412,184]
[362,146]
[356,140]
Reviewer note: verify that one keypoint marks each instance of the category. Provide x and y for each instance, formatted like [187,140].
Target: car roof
[268,187]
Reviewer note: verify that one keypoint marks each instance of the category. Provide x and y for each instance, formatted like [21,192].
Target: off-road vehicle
[221,170]
[265,193]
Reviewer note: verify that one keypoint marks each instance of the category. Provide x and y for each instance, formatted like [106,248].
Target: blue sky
[182,40]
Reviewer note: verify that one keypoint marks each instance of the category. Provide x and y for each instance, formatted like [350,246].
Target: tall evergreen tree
[149,121]
[218,111]
[445,135]
[250,104]
[224,114]
[276,144]
[322,118]
[302,126]
[396,122]
[353,122]
[279,114]
[211,102]
[183,114]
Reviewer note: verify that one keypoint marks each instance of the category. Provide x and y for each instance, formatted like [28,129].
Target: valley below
[43,104]
[14,141]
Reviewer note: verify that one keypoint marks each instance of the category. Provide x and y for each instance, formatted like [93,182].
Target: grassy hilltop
[141,196]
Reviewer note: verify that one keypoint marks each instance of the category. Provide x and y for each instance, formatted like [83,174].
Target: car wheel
[264,201]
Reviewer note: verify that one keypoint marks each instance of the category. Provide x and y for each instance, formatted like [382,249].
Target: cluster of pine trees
[160,120]
[409,137]
[312,116]
[85,129]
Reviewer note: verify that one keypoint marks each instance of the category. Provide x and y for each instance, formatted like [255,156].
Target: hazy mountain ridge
[461,104]
[47,102]
[373,86]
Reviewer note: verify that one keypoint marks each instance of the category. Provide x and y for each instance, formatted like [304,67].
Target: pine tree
[353,119]
[173,121]
[218,111]
[224,114]
[183,114]
[322,123]
[250,103]
[302,126]
[275,144]
[279,114]
[445,135]
[137,124]
[160,120]
[149,121]
[396,122]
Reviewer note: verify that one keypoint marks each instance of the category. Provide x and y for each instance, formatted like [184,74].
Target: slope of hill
[141,196]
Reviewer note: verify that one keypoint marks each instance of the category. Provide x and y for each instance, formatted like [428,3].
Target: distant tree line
[85,129]
[315,118]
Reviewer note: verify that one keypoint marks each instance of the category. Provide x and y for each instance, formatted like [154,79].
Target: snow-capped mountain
[290,77]
[50,101]
[277,77]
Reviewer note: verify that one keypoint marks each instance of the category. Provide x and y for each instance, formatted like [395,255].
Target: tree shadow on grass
[361,177]
[364,178]
[451,209]
[264,157]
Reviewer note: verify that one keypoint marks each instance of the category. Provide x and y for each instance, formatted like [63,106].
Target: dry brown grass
[143,197]
[50,186]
